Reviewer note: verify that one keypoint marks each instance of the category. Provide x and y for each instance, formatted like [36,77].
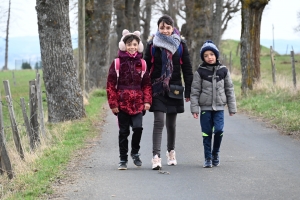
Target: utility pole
[81,44]
[5,67]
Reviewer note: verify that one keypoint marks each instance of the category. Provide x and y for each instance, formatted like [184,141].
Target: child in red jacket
[129,94]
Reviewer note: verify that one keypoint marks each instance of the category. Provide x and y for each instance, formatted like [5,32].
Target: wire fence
[21,124]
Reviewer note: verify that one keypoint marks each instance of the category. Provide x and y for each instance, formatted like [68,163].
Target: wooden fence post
[230,62]
[13,72]
[273,66]
[40,104]
[33,112]
[4,158]
[14,127]
[27,124]
[293,69]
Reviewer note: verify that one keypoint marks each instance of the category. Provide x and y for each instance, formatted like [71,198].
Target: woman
[167,57]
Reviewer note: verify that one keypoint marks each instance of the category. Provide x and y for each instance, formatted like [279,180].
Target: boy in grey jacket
[212,89]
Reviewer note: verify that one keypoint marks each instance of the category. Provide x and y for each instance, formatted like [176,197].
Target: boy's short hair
[130,38]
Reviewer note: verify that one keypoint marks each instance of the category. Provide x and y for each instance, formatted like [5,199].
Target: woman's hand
[187,99]
[146,106]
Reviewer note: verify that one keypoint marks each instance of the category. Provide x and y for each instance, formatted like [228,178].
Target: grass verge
[34,182]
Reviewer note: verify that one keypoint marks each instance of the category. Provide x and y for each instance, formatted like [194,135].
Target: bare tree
[128,15]
[223,13]
[5,67]
[250,42]
[146,12]
[98,16]
[297,29]
[198,26]
[64,95]
[206,19]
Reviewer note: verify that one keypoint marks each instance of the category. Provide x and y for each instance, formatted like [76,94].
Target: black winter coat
[164,103]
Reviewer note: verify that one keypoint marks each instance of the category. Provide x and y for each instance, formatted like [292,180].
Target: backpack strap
[144,67]
[152,51]
[117,66]
[180,49]
[117,69]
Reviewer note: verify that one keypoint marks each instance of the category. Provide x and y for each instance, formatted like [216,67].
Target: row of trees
[204,19]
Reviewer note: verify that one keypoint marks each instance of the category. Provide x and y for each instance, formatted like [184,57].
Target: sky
[280,14]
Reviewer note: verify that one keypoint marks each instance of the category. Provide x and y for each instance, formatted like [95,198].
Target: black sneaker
[215,160]
[122,165]
[136,159]
[207,163]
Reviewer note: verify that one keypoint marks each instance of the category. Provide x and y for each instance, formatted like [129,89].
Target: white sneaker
[156,163]
[171,158]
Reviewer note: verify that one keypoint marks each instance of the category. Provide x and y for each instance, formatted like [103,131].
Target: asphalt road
[256,163]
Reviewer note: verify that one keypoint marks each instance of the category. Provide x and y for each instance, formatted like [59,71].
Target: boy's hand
[231,114]
[146,106]
[115,110]
[187,99]
[195,115]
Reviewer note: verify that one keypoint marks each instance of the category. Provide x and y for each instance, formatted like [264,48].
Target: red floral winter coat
[130,92]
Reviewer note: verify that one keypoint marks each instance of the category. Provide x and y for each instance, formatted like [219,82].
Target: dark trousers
[125,121]
[212,122]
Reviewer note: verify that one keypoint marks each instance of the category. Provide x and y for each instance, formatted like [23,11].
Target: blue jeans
[212,122]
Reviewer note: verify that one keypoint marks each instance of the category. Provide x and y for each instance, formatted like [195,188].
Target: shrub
[26,65]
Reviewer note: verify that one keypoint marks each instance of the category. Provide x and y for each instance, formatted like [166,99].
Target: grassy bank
[277,104]
[34,177]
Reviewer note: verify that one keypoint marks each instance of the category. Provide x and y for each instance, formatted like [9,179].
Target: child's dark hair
[130,38]
[166,19]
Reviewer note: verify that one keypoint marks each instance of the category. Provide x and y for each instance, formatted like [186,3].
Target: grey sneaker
[207,163]
[136,159]
[122,165]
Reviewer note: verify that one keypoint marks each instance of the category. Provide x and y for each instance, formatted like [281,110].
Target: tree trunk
[136,16]
[97,43]
[146,19]
[217,22]
[198,27]
[81,44]
[250,42]
[64,95]
[5,67]
[128,16]
[119,7]
[172,12]
[212,16]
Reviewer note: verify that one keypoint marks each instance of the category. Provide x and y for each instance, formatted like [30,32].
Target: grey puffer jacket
[212,89]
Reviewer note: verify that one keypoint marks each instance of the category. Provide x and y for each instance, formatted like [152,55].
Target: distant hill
[282,46]
[21,48]
[28,49]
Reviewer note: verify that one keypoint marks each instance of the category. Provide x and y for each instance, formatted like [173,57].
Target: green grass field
[278,104]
